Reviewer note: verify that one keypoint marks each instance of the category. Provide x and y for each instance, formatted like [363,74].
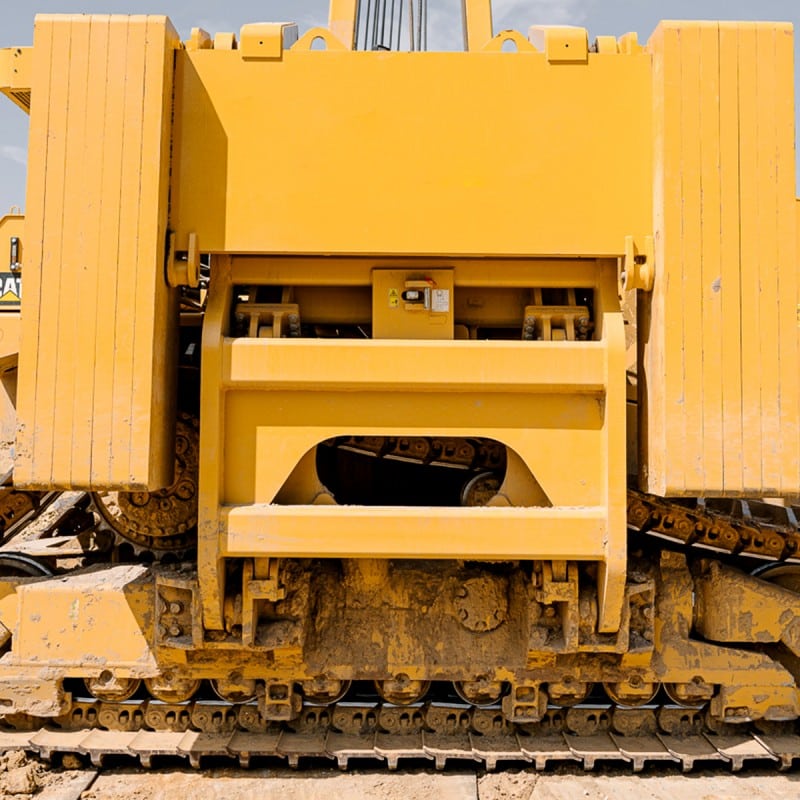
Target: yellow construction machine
[389,403]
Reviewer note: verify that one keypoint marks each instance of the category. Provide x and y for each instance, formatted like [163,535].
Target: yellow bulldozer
[372,402]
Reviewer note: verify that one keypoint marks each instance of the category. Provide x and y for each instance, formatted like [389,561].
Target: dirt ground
[24,778]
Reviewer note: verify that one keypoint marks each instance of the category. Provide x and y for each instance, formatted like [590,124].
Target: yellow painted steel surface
[479,153]
[267,403]
[96,394]
[720,408]
[402,246]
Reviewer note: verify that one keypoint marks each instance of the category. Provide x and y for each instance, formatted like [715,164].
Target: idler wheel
[110,689]
[786,576]
[165,519]
[170,689]
[481,692]
[401,690]
[234,690]
[480,489]
[325,692]
[13,565]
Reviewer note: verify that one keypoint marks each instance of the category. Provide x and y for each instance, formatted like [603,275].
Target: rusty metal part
[739,527]
[455,452]
[18,508]
[164,520]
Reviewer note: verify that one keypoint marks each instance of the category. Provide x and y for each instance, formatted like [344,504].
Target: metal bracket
[266,40]
[180,272]
[636,269]
[260,582]
[15,259]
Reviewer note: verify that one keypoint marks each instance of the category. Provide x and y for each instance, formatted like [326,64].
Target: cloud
[521,14]
[13,153]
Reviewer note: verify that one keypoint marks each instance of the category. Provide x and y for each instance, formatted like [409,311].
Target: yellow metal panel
[709,279]
[95,261]
[36,387]
[267,433]
[769,255]
[730,301]
[547,367]
[381,167]
[110,217]
[77,298]
[690,243]
[788,289]
[478,272]
[717,371]
[104,611]
[154,386]
[750,255]
[350,532]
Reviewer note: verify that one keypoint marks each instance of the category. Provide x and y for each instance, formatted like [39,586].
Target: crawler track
[436,732]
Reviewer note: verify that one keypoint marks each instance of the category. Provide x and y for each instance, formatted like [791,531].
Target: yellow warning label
[394,298]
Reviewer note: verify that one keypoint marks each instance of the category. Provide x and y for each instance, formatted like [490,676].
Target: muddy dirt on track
[25,778]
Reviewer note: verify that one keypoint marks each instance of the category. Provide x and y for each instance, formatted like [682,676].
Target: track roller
[401,690]
[170,689]
[568,692]
[323,691]
[114,690]
[234,689]
[689,695]
[632,692]
[481,692]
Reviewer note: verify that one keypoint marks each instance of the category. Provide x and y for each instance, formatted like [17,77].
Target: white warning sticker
[440,301]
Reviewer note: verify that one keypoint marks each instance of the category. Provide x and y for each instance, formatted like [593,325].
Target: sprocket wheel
[165,520]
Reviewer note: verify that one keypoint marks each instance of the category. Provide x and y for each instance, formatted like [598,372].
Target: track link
[737,527]
[440,733]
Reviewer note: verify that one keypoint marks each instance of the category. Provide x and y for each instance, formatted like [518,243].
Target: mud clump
[20,777]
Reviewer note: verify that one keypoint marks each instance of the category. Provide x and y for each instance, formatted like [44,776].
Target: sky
[613,17]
